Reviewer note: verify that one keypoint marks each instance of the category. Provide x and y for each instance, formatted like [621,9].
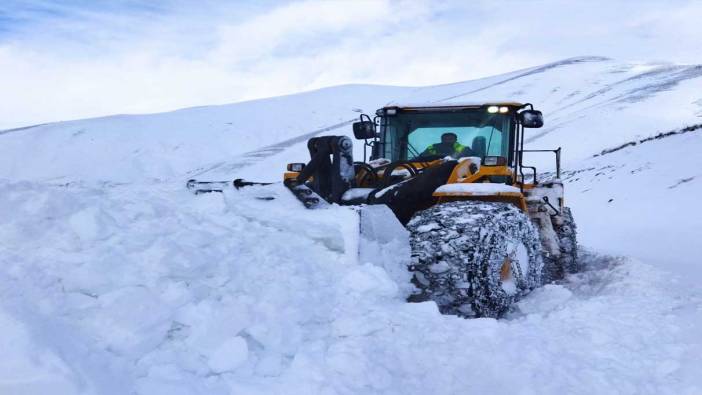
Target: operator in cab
[449,146]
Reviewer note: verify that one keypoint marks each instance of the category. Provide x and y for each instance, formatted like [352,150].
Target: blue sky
[73,59]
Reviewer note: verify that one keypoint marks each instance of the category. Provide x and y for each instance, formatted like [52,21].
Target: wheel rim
[514,266]
[506,270]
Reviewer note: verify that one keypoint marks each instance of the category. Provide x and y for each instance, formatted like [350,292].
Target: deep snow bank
[154,290]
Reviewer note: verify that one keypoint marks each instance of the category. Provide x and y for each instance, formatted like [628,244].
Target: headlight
[296,167]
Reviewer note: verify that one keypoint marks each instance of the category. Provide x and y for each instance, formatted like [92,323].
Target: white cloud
[83,63]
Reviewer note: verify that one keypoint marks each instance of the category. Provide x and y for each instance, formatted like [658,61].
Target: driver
[448,146]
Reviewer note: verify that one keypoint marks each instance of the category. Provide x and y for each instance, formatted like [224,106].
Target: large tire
[459,250]
[567,232]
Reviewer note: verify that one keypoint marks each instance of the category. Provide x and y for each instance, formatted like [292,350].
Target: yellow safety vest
[434,151]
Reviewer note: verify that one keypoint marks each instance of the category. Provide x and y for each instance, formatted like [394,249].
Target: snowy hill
[116,280]
[590,104]
[168,145]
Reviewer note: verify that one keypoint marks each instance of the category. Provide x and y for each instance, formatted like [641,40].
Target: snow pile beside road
[152,290]
[159,289]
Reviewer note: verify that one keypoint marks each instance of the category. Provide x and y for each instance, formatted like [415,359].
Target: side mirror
[531,119]
[364,130]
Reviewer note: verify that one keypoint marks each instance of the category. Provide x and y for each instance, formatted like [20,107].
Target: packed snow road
[116,289]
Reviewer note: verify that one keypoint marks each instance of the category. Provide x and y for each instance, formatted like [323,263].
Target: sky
[73,59]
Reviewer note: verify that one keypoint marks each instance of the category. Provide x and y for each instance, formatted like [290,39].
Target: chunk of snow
[439,267]
[85,224]
[509,286]
[229,355]
[385,190]
[428,227]
[356,193]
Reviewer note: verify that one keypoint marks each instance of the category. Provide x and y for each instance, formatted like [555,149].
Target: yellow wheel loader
[484,229]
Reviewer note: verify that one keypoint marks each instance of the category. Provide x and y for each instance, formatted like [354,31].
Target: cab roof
[449,106]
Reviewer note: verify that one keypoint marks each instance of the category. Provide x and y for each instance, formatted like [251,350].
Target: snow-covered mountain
[115,279]
[590,104]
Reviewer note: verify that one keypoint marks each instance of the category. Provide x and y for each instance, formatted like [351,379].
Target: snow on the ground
[150,289]
[115,280]
[643,199]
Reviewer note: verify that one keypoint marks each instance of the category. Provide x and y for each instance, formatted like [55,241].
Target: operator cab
[414,136]
[426,133]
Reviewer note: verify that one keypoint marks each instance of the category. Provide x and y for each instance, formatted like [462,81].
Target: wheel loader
[484,228]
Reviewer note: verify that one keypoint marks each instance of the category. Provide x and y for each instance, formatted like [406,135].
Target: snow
[637,188]
[127,148]
[428,227]
[116,280]
[228,356]
[26,368]
[356,193]
[509,286]
[476,189]
[384,241]
[383,191]
[519,255]
[553,190]
[439,267]
[522,256]
[452,104]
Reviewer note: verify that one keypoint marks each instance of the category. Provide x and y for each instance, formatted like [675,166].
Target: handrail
[556,151]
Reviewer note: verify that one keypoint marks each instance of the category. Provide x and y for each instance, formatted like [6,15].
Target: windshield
[430,135]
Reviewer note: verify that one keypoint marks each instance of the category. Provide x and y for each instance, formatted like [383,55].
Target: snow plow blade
[198,187]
